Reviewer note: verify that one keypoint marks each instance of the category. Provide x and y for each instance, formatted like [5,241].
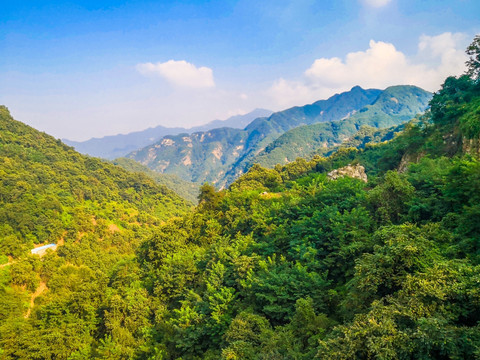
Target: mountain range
[395,105]
[221,155]
[114,146]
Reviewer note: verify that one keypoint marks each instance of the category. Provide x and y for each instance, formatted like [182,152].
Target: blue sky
[81,69]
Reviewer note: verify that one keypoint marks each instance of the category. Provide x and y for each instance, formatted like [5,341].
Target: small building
[42,249]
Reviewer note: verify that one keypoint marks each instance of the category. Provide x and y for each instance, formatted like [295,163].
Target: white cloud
[380,66]
[377,3]
[286,93]
[444,53]
[180,73]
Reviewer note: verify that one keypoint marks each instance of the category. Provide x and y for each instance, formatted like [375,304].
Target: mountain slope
[303,266]
[210,156]
[185,189]
[199,157]
[394,106]
[287,263]
[111,147]
[92,216]
[44,182]
[236,121]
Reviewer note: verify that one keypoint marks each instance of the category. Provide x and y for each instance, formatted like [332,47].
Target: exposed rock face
[407,159]
[471,146]
[353,171]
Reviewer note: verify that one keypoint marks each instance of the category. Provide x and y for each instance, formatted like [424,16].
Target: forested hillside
[185,189]
[96,213]
[287,263]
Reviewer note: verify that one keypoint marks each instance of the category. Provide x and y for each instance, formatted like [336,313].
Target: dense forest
[287,263]
[96,213]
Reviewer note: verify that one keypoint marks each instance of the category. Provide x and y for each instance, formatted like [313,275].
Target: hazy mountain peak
[356,88]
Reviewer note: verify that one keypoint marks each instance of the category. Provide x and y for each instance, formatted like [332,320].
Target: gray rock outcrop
[354,171]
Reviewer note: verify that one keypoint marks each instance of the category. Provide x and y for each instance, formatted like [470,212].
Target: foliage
[97,214]
[186,189]
[473,64]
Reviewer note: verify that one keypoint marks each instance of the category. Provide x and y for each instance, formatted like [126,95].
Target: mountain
[235,122]
[111,147]
[395,105]
[221,155]
[306,260]
[369,253]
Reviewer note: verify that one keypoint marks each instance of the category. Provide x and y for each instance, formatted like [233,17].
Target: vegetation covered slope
[96,213]
[288,264]
[43,183]
[114,146]
[395,105]
[199,157]
[183,188]
[214,155]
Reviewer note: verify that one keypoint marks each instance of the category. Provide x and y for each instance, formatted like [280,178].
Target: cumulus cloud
[444,53]
[376,3]
[179,73]
[379,66]
[288,93]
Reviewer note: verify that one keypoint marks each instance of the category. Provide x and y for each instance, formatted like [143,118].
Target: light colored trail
[40,289]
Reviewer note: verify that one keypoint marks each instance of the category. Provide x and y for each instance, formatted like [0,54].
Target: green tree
[473,64]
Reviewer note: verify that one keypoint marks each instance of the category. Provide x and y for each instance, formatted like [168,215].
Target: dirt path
[40,289]
[8,263]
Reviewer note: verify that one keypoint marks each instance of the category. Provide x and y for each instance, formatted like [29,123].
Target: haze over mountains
[221,155]
[114,146]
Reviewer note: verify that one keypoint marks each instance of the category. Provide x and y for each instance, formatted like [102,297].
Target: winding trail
[8,263]
[40,289]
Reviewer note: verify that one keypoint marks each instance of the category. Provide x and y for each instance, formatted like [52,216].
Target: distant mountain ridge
[220,155]
[114,146]
[395,105]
